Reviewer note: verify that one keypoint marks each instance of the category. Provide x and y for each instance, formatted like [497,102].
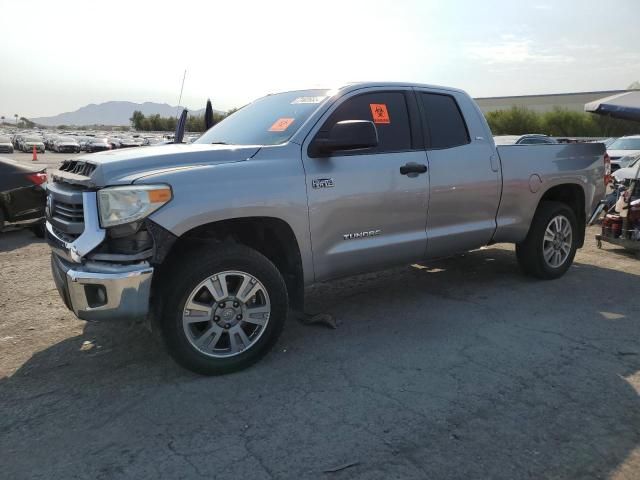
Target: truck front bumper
[96,291]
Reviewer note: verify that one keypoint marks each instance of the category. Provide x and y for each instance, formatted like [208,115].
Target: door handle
[411,167]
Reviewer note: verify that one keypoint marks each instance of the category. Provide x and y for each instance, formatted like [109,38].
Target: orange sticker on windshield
[380,113]
[281,124]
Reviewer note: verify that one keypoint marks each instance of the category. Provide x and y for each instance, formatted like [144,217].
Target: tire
[196,278]
[531,252]
[38,230]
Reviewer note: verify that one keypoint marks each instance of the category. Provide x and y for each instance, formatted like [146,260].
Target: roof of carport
[624,105]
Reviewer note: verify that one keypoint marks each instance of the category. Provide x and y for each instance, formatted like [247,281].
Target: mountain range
[114,113]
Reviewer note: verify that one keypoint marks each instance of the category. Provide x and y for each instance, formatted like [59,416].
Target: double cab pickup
[216,241]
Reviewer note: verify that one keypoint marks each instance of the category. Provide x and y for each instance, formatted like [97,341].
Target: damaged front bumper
[95,290]
[99,291]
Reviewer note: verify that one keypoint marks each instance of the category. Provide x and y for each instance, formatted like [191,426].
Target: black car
[22,196]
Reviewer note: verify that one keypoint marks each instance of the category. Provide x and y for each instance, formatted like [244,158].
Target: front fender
[271,184]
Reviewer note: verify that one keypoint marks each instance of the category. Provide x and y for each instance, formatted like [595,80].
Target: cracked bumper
[97,292]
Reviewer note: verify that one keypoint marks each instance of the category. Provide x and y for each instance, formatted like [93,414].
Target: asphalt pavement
[459,369]
[45,160]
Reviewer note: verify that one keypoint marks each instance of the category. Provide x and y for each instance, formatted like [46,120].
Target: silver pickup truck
[216,241]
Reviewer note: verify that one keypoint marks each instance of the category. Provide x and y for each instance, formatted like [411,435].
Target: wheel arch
[271,236]
[572,195]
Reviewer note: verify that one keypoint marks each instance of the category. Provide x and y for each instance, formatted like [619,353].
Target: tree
[634,86]
[157,123]
[564,123]
[558,122]
[25,122]
[2,118]
[136,119]
[16,116]
[514,121]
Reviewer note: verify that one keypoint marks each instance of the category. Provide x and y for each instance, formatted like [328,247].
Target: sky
[56,56]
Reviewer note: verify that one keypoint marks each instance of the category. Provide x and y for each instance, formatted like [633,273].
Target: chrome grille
[64,208]
[71,212]
[77,167]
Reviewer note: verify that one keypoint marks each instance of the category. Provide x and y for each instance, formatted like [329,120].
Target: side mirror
[347,135]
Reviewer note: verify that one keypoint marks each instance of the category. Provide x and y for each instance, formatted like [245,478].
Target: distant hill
[111,113]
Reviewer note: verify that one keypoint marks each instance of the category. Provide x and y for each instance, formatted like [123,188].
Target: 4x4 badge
[322,183]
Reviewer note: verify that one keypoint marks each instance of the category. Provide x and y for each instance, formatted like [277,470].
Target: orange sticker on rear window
[281,124]
[380,113]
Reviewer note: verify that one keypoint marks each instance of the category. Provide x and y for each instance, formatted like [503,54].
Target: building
[544,103]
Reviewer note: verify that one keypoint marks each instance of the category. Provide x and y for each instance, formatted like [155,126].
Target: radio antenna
[181,89]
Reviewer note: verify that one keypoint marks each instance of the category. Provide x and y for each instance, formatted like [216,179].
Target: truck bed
[529,171]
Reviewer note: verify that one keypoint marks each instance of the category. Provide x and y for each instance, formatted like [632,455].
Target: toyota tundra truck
[216,241]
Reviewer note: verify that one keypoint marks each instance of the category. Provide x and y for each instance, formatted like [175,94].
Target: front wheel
[224,309]
[552,242]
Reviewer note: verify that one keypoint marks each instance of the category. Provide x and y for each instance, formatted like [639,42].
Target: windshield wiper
[218,143]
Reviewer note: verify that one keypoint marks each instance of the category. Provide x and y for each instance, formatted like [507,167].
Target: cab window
[387,110]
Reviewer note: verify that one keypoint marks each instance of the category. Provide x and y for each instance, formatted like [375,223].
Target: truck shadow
[461,368]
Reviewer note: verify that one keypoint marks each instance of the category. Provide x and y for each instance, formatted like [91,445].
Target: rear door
[463,173]
[364,213]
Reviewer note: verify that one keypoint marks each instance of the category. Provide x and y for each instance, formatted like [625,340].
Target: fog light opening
[96,295]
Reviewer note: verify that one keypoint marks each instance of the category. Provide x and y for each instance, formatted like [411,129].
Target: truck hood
[616,154]
[118,167]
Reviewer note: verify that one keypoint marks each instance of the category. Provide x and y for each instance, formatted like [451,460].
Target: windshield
[626,144]
[634,163]
[270,120]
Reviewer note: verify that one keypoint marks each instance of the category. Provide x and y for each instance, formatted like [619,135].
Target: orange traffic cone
[35,154]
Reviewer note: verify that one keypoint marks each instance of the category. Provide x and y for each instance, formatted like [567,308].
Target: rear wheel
[224,309]
[552,241]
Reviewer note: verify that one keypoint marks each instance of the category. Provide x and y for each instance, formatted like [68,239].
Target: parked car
[66,145]
[48,141]
[114,142]
[5,145]
[623,147]
[129,142]
[215,237]
[82,141]
[625,174]
[97,145]
[27,144]
[22,196]
[17,141]
[529,139]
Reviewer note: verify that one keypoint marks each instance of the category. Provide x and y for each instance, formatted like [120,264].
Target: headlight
[120,205]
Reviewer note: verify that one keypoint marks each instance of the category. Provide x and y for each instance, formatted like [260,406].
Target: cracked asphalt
[458,369]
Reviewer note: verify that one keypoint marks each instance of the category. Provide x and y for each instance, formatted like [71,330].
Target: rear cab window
[444,124]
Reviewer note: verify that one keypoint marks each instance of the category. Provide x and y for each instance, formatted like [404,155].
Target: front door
[364,213]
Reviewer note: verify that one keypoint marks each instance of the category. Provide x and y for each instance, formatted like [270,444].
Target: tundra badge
[353,236]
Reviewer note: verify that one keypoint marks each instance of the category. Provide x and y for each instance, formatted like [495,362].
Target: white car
[623,150]
[623,175]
